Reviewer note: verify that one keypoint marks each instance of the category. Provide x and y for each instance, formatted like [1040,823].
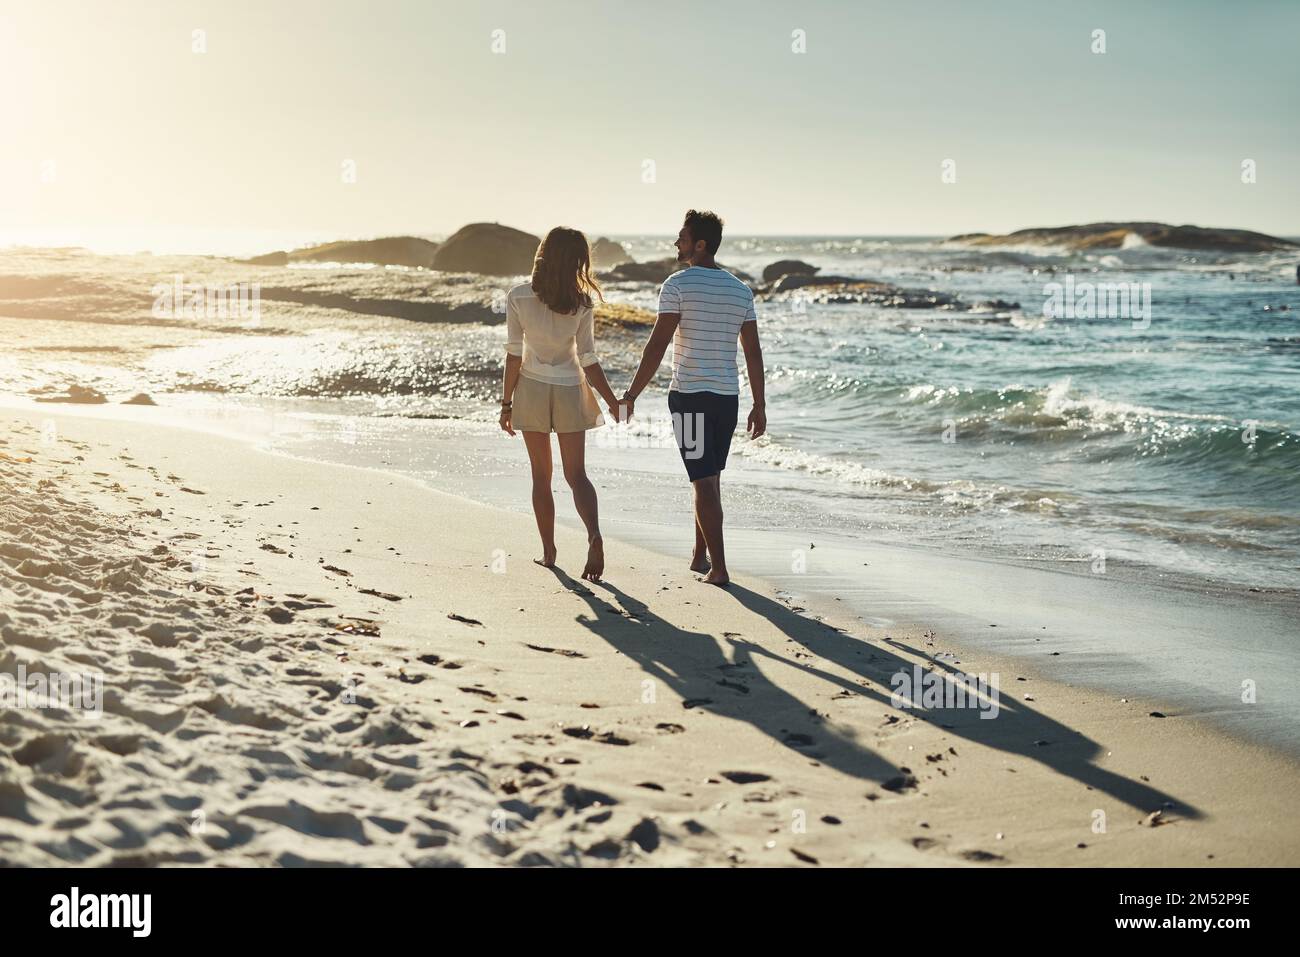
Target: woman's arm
[596,379]
[514,361]
[585,340]
[513,364]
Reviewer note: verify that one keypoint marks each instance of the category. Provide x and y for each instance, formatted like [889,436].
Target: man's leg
[700,556]
[708,518]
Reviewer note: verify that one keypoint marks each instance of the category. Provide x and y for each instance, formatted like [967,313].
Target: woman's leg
[573,455]
[539,455]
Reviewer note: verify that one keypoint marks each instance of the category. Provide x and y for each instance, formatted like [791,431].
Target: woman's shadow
[697,667]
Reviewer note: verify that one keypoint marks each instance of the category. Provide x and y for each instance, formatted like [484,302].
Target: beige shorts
[542,407]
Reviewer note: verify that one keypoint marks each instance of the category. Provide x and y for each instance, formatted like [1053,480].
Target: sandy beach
[309,664]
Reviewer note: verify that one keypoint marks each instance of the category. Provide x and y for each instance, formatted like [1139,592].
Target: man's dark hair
[706,226]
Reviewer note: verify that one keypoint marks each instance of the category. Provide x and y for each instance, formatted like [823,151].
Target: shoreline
[1128,596]
[761,714]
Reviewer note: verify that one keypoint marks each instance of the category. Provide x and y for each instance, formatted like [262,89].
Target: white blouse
[554,346]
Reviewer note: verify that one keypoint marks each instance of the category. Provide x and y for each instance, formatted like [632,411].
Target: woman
[551,369]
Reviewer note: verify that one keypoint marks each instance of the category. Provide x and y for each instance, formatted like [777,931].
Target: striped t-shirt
[713,305]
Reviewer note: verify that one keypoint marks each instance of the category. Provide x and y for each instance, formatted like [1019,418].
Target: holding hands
[620,410]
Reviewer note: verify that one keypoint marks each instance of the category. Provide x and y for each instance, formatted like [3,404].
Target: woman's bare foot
[716,577]
[548,557]
[595,560]
[700,562]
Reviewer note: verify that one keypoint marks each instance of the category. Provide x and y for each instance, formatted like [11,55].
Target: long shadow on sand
[696,665]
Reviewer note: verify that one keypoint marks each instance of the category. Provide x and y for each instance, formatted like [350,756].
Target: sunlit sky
[118,135]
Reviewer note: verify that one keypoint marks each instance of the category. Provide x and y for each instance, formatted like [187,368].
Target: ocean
[1163,432]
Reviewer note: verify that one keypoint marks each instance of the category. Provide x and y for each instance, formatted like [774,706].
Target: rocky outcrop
[489,249]
[656,272]
[789,282]
[800,291]
[606,253]
[277,258]
[389,251]
[1126,235]
[788,267]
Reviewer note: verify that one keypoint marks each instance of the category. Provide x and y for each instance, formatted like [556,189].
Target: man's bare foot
[700,562]
[595,560]
[548,557]
[715,577]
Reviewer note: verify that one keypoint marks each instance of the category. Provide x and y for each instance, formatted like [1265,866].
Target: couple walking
[552,370]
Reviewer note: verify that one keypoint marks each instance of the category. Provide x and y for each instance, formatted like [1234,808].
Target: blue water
[1176,445]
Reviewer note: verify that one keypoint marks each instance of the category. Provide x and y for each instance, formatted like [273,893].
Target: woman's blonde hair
[562,276]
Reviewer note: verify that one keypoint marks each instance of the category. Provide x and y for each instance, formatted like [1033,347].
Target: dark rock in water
[606,253]
[833,290]
[487,248]
[78,394]
[657,271]
[791,281]
[140,398]
[1122,235]
[788,267]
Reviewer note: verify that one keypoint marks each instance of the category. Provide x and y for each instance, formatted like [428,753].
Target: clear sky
[114,127]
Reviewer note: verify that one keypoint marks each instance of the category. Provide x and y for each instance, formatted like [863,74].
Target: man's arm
[754,366]
[653,354]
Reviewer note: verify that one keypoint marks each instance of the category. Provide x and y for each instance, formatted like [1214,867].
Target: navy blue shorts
[703,423]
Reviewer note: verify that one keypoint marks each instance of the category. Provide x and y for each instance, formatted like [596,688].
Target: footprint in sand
[745,777]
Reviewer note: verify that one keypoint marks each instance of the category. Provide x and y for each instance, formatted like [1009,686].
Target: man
[702,311]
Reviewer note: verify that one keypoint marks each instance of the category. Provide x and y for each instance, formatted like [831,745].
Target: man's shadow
[697,667]
[1017,728]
